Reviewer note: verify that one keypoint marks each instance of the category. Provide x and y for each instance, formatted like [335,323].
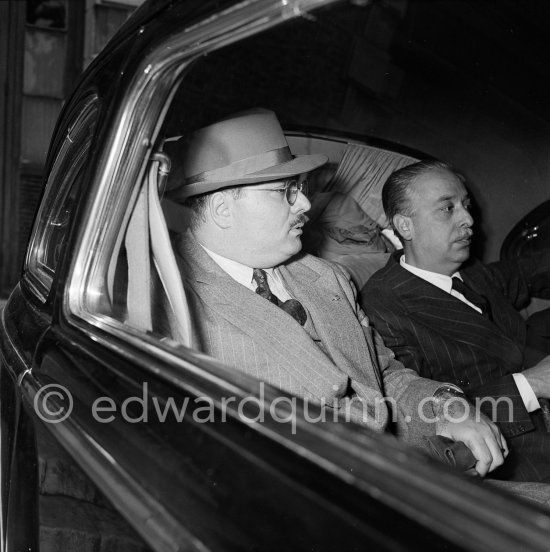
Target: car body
[89,460]
[530,235]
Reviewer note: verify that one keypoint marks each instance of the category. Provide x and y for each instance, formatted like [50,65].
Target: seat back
[362,173]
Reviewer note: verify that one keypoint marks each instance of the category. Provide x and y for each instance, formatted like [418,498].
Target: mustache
[300,219]
[466,234]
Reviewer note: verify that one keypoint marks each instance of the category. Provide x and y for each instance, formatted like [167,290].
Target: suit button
[521,428]
[464,382]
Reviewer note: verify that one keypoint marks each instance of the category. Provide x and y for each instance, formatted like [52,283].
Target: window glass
[127,283]
[52,223]
[131,286]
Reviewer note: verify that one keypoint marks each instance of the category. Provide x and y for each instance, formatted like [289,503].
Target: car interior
[346,221]
[346,225]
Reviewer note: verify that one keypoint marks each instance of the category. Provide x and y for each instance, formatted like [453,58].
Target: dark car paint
[227,455]
[530,234]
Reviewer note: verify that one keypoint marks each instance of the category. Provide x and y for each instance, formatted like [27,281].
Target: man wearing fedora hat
[287,318]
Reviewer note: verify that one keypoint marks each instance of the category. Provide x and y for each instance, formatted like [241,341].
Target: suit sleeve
[408,394]
[499,399]
[521,278]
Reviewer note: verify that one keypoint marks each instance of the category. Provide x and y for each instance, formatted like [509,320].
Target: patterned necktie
[291,306]
[478,300]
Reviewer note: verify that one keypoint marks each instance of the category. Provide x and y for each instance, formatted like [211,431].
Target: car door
[48,502]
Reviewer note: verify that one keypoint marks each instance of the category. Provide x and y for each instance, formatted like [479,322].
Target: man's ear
[220,209]
[403,225]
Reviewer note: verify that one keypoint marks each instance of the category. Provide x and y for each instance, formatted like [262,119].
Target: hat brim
[299,165]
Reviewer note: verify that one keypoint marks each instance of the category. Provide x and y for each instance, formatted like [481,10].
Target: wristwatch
[454,409]
[447,391]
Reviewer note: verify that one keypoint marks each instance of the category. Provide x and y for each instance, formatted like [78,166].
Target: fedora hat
[246,148]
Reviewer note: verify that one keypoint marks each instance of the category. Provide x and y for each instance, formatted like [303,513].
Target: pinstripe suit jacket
[440,337]
[248,333]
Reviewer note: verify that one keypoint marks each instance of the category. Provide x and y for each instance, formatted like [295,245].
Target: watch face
[446,391]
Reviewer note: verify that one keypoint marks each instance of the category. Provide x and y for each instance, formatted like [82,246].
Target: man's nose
[466,218]
[302,204]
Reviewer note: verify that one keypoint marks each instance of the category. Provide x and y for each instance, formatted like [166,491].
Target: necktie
[478,300]
[291,306]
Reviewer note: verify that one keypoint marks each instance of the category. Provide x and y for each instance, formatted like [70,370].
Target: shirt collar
[440,280]
[239,272]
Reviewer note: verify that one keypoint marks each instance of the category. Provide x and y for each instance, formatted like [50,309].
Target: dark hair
[395,194]
[197,205]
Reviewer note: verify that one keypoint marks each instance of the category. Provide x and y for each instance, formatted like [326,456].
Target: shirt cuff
[527,394]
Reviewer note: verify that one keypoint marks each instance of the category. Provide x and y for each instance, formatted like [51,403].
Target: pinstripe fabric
[243,330]
[440,337]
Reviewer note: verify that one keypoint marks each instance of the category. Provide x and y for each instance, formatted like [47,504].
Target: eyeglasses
[291,189]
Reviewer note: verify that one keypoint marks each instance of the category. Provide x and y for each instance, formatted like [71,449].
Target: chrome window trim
[145,105]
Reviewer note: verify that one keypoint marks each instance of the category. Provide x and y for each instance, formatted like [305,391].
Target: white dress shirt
[243,275]
[446,284]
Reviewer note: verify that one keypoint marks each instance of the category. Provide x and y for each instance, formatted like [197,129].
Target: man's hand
[539,378]
[458,420]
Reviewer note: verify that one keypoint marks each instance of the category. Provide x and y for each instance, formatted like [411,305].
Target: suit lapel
[451,317]
[334,318]
[275,331]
